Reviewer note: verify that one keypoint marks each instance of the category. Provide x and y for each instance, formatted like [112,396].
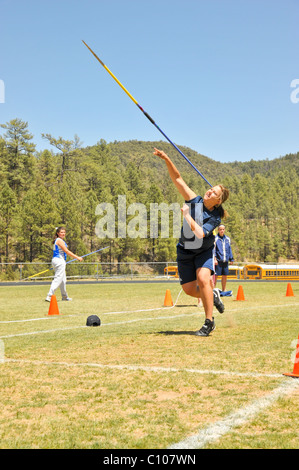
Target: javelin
[88,254]
[146,114]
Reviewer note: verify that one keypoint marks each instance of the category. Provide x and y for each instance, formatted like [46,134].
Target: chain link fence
[92,271]
[96,271]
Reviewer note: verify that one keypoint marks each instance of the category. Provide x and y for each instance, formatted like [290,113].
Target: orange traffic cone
[240,294]
[289,292]
[295,372]
[53,309]
[168,300]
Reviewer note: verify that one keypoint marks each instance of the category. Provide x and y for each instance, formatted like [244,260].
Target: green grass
[64,385]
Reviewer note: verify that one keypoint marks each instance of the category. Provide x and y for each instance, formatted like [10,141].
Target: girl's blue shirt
[207,220]
[58,252]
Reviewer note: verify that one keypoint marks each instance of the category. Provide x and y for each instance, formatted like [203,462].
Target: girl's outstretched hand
[160,154]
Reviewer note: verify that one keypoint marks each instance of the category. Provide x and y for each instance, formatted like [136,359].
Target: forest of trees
[63,186]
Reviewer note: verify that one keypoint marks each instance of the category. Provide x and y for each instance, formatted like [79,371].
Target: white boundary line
[32,319]
[103,313]
[50,317]
[216,430]
[197,313]
[209,434]
[103,324]
[144,368]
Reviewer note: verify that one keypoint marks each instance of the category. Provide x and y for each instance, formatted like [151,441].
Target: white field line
[197,313]
[103,313]
[32,319]
[133,367]
[174,305]
[214,431]
[210,433]
[242,416]
[54,330]
[50,317]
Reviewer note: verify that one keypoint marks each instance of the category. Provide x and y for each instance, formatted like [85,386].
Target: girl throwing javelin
[196,244]
[60,251]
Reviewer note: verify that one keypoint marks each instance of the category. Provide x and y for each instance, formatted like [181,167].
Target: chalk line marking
[143,310]
[125,322]
[214,431]
[209,434]
[217,430]
[133,367]
[197,313]
[34,319]
[103,313]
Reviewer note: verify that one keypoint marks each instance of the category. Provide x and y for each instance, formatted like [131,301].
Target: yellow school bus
[274,272]
[171,271]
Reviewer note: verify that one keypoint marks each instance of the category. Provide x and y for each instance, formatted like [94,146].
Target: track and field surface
[143,380]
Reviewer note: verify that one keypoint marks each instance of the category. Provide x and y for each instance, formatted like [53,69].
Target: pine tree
[8,211]
[38,220]
[20,162]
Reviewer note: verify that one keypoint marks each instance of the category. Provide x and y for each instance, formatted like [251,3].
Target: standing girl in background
[223,256]
[60,252]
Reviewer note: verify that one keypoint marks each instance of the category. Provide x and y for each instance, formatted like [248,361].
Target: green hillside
[68,185]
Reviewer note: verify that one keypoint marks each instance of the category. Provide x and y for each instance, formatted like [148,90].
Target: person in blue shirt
[223,256]
[196,244]
[60,252]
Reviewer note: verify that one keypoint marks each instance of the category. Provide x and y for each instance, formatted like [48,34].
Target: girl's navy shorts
[189,261]
[222,269]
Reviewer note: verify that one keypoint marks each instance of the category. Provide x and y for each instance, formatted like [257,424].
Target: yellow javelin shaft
[112,75]
[42,272]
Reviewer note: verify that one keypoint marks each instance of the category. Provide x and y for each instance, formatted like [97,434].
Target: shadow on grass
[188,305]
[167,333]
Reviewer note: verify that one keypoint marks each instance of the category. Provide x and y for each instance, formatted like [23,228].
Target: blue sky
[215,75]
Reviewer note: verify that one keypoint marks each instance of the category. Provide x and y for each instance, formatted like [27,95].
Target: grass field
[143,380]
